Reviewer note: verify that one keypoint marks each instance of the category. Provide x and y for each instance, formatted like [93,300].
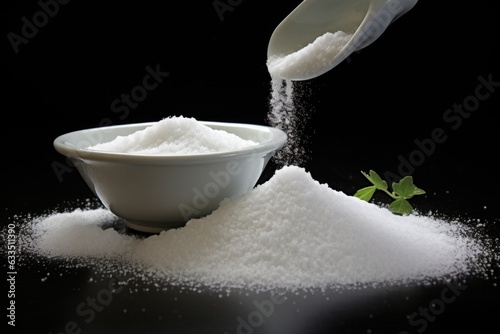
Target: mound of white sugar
[175,136]
[290,232]
[310,59]
[79,234]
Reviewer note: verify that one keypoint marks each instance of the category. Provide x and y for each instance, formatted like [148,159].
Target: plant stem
[394,196]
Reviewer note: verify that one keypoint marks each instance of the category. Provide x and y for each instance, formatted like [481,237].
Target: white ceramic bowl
[157,192]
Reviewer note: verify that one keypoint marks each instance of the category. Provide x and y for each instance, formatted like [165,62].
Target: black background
[364,114]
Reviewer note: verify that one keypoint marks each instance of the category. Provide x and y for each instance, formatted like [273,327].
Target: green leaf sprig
[403,190]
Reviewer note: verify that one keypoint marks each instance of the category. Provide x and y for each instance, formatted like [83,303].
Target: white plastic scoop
[319,34]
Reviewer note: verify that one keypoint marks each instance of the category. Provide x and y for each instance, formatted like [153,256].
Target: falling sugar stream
[286,112]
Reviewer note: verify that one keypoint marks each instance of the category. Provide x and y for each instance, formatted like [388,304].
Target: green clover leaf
[366,193]
[402,191]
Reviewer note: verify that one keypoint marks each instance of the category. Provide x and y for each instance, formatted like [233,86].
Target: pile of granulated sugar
[310,59]
[175,135]
[290,232]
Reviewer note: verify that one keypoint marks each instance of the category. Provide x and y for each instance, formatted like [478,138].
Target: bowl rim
[63,145]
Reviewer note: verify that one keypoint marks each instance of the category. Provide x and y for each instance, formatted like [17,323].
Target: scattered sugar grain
[284,115]
[175,135]
[291,232]
[290,111]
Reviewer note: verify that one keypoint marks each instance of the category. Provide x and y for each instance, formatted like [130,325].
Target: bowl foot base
[150,227]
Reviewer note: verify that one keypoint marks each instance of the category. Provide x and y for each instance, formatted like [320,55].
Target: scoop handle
[380,15]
